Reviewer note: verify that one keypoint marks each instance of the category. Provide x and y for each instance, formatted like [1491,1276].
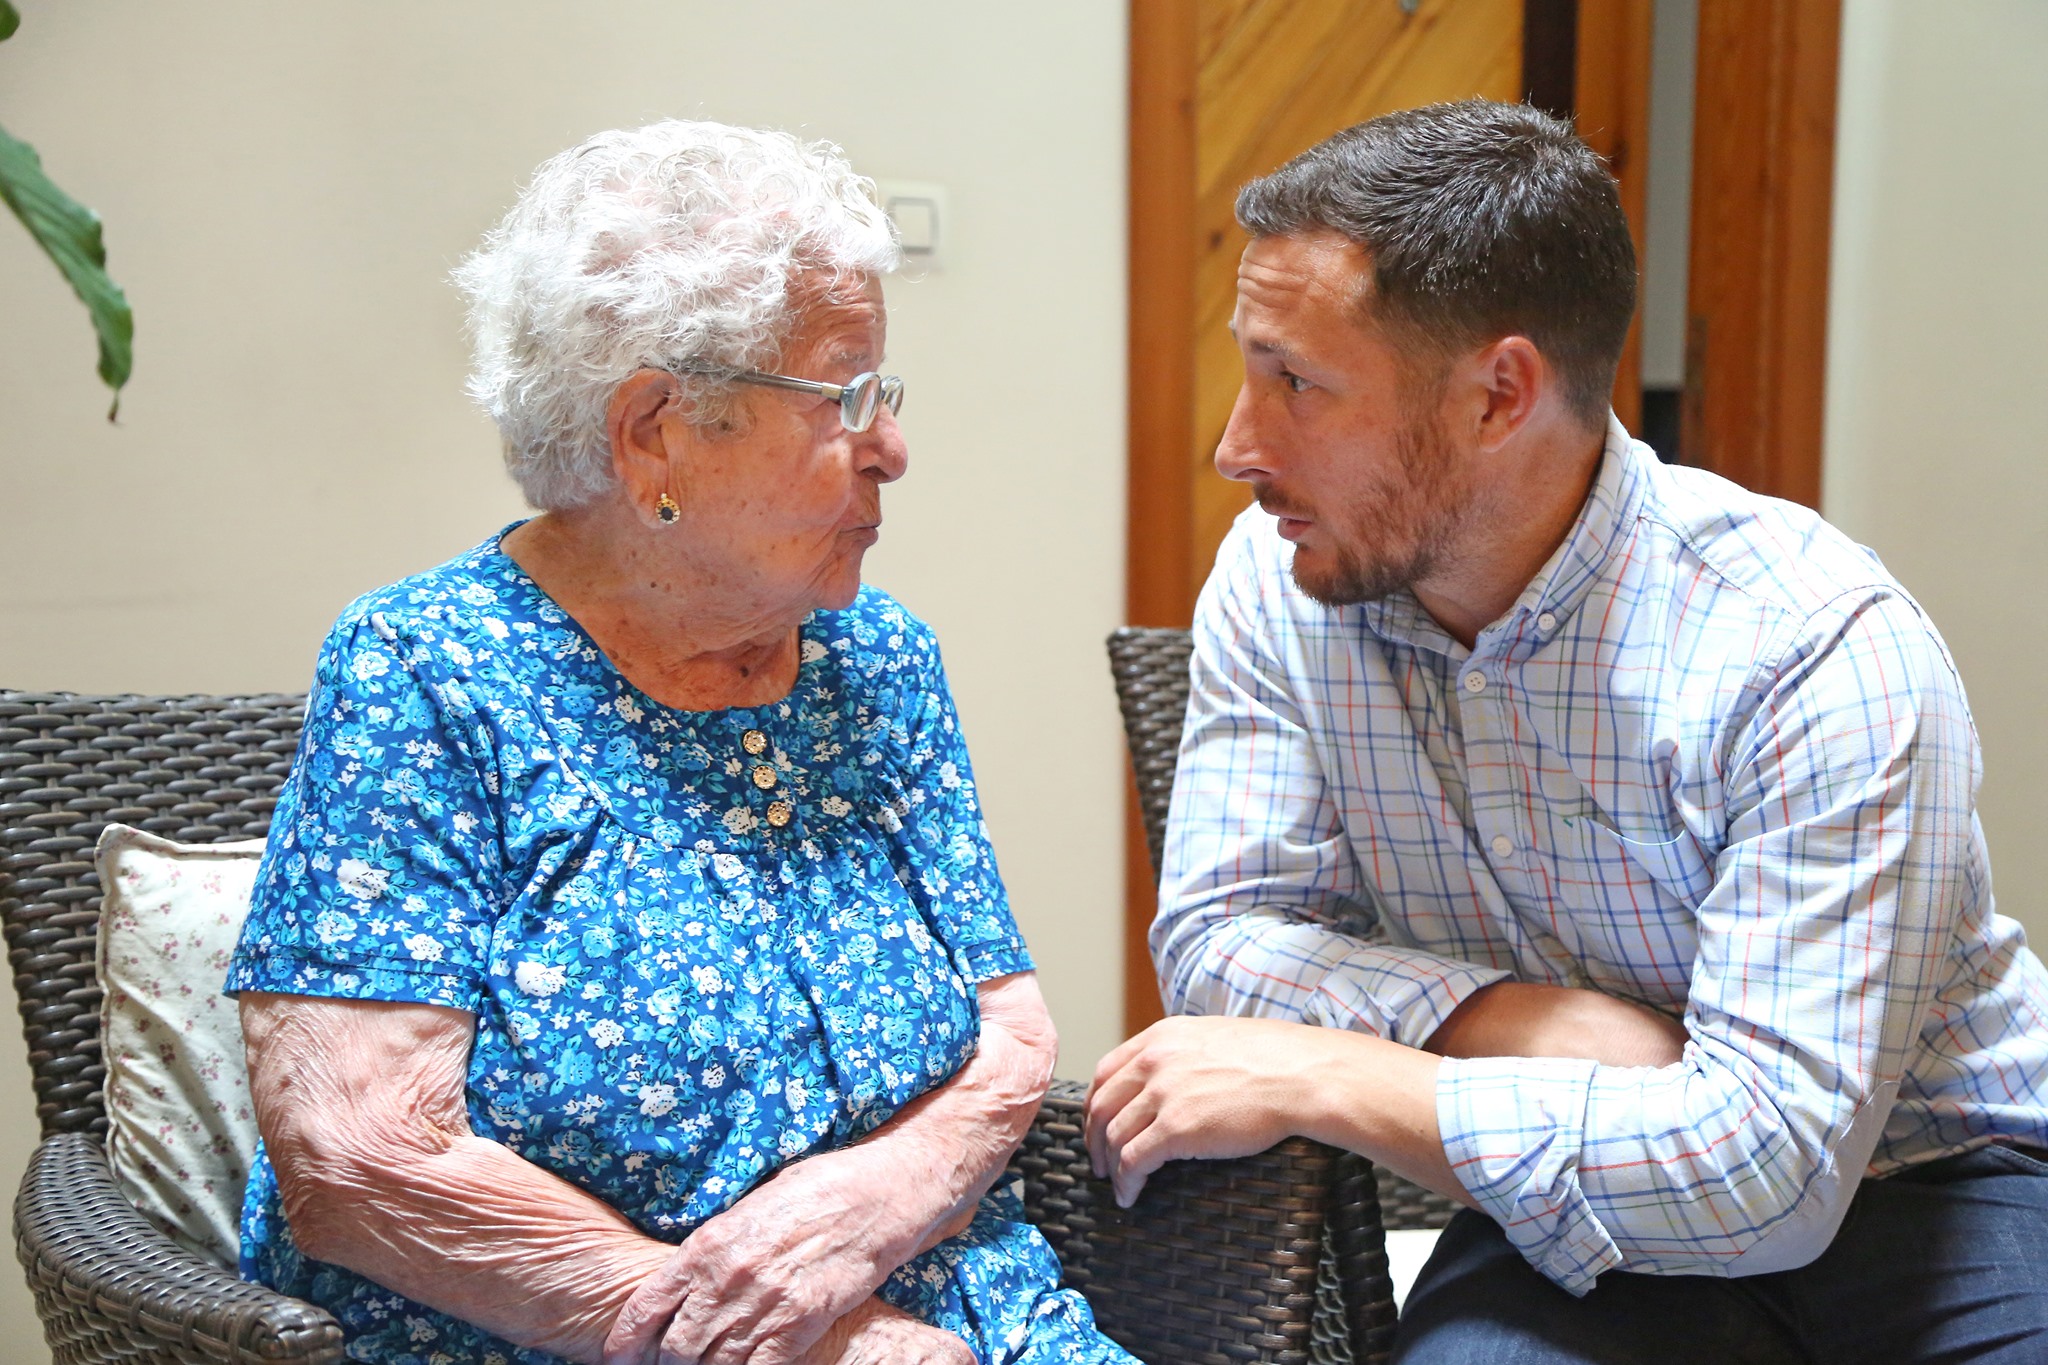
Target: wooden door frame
[1762,214]
[1160,380]
[1772,282]
[1160,402]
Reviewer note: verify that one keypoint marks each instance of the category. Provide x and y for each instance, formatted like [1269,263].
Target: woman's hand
[760,1283]
[877,1334]
[769,1277]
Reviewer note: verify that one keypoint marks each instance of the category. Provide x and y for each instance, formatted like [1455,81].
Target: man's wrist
[1378,1098]
[1336,1083]
[1319,1078]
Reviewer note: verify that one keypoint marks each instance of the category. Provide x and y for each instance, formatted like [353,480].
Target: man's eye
[1293,381]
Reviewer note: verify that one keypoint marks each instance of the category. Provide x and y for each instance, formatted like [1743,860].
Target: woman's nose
[883,452]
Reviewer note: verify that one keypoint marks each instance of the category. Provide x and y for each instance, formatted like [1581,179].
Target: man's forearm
[1526,1019]
[1217,1087]
[1383,1104]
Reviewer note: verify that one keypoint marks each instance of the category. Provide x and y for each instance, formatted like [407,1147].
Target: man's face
[1336,432]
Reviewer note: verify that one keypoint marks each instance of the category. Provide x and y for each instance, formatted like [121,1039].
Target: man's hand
[1199,1087]
[877,1334]
[1523,1019]
[1212,1087]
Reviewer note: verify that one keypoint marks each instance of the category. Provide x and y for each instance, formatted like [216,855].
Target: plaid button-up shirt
[1714,760]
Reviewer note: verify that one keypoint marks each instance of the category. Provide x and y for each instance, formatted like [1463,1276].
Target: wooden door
[1225,90]
[1222,91]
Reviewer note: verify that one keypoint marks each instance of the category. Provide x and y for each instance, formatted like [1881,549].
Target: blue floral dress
[698,945]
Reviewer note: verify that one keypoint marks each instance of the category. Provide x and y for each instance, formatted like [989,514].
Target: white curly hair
[679,246]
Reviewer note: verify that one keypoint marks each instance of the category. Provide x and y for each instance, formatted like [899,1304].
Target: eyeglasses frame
[889,393]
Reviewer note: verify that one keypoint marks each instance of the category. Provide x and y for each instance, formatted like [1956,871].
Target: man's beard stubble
[1371,561]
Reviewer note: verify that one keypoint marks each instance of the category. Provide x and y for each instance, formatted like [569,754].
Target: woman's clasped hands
[787,1276]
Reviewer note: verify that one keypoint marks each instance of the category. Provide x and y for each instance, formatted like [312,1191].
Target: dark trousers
[1942,1262]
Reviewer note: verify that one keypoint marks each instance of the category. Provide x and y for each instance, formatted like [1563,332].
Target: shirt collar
[1567,577]
[1399,617]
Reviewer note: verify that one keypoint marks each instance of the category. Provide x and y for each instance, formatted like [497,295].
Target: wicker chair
[1220,1262]
[1151,668]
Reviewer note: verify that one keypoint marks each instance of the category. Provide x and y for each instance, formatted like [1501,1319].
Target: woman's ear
[641,437]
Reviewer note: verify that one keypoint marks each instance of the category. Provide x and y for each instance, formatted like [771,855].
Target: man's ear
[641,437]
[1513,378]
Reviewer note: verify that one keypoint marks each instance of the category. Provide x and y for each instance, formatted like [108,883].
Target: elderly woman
[628,978]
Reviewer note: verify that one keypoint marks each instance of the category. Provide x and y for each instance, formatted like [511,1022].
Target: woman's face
[786,503]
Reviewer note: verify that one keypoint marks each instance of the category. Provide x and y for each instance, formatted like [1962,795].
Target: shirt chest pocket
[1631,899]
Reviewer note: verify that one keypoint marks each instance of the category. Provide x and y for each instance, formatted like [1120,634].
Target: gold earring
[667,510]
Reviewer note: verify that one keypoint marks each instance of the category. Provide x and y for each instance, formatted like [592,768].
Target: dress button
[1475,682]
[779,813]
[1502,846]
[754,742]
[764,776]
[1546,622]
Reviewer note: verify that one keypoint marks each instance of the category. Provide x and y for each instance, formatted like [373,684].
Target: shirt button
[1475,682]
[779,813]
[764,776]
[1502,846]
[754,742]
[1546,622]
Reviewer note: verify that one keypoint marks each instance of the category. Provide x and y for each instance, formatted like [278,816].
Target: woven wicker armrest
[1217,1263]
[106,1281]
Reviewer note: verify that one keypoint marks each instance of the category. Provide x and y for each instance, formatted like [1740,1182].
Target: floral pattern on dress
[698,945]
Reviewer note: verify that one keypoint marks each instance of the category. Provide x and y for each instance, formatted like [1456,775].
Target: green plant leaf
[10,20]
[70,233]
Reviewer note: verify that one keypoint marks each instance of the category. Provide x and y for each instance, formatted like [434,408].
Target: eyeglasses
[859,399]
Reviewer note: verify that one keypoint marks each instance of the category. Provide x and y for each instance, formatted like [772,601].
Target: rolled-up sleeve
[1823,942]
[1263,911]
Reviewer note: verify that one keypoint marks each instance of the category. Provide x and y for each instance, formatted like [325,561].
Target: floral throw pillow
[182,1130]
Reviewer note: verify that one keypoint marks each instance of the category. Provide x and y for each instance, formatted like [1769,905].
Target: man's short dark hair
[1480,220]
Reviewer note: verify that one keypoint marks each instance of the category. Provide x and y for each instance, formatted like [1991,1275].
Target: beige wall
[1938,363]
[285,189]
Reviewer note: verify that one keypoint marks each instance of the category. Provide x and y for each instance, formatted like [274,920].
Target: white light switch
[918,209]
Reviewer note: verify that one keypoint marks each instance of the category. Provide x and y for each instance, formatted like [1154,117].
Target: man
[1589,840]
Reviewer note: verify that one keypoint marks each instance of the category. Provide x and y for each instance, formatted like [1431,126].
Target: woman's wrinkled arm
[762,1281]
[361,1108]
[957,1139]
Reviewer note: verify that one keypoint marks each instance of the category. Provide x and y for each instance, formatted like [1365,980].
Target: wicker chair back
[195,769]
